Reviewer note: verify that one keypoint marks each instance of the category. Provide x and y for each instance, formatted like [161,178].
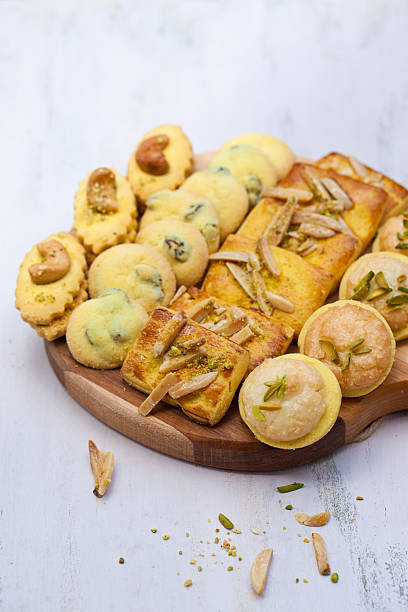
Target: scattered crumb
[284,528]
[178,573]
[180,552]
[153,530]
[299,535]
[166,537]
[230,568]
[255,531]
[216,540]
[121,560]
[188,583]
[187,534]
[304,580]
[306,540]
[217,530]
[359,498]
[297,580]
[192,561]
[199,568]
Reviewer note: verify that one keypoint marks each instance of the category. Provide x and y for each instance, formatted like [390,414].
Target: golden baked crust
[273,340]
[397,199]
[302,283]
[141,369]
[334,254]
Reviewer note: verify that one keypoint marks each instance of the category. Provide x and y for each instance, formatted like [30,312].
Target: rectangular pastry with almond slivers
[182,363]
[259,334]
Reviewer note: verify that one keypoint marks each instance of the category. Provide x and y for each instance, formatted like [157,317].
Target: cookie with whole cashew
[162,160]
[105,211]
[50,278]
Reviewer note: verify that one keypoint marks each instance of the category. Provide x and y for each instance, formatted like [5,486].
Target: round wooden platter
[230,444]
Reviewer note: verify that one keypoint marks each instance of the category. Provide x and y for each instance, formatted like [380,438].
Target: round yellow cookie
[182,245]
[354,341]
[40,303]
[250,166]
[393,236]
[290,402]
[276,150]
[97,228]
[381,280]
[163,168]
[226,193]
[187,206]
[101,331]
[143,273]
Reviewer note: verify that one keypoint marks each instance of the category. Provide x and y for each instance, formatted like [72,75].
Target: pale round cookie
[41,303]
[187,206]
[183,246]
[164,169]
[393,236]
[381,280]
[226,193]
[354,341]
[101,331]
[276,150]
[97,229]
[143,273]
[290,401]
[250,166]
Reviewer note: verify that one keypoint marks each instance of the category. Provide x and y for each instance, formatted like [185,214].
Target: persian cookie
[226,193]
[380,279]
[50,278]
[277,151]
[200,370]
[181,244]
[104,211]
[290,401]
[277,282]
[397,199]
[393,235]
[187,206]
[58,326]
[101,331]
[354,340]
[162,160]
[250,166]
[140,270]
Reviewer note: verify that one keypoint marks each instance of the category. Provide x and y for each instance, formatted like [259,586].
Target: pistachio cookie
[393,235]
[187,206]
[104,211]
[143,273]
[162,160]
[101,331]
[354,340]
[182,245]
[380,279]
[226,193]
[50,278]
[276,150]
[250,166]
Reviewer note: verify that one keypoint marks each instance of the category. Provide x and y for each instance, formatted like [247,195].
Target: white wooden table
[80,82]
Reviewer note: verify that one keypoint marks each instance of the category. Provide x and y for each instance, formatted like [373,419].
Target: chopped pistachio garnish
[346,362]
[290,487]
[381,282]
[257,413]
[362,350]
[297,580]
[334,577]
[403,289]
[402,245]
[361,293]
[398,300]
[329,350]
[401,278]
[355,344]
[376,293]
[277,386]
[268,407]
[225,522]
[289,507]
[366,279]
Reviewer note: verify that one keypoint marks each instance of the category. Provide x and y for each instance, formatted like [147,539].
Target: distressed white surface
[79,83]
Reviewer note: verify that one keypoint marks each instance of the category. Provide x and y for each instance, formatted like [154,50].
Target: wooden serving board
[230,444]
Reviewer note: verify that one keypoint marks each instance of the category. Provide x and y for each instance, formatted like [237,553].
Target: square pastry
[397,199]
[289,294]
[176,348]
[262,336]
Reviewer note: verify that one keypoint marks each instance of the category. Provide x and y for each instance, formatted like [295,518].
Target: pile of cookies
[269,238]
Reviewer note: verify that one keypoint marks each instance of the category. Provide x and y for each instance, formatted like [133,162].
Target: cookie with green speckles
[101,331]
[182,245]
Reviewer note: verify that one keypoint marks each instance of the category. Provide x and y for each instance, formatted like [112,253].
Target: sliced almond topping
[310,249]
[199,310]
[324,220]
[219,310]
[279,302]
[317,520]
[293,234]
[185,387]
[242,279]
[158,393]
[267,257]
[285,193]
[315,231]
[280,222]
[260,569]
[337,192]
[260,290]
[230,256]
[358,167]
[321,554]
[315,184]
[102,468]
[305,246]
[176,363]
[230,327]
[254,262]
[345,228]
[243,335]
[169,332]
[180,291]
